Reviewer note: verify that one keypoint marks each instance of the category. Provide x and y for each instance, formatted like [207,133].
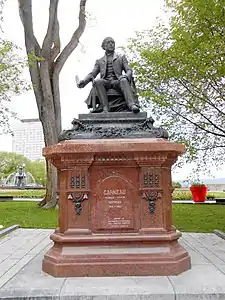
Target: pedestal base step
[94,261]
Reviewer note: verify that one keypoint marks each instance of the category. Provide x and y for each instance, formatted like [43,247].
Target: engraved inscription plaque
[114,206]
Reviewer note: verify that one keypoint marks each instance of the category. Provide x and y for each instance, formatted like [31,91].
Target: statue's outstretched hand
[81,84]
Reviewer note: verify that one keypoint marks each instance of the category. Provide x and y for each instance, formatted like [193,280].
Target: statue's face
[109,45]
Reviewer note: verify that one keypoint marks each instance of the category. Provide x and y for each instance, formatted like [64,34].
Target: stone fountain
[20,180]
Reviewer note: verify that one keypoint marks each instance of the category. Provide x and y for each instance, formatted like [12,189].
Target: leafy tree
[181,75]
[45,64]
[38,170]
[11,77]
[10,161]
[176,185]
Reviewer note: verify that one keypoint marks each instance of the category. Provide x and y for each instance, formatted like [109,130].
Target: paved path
[21,254]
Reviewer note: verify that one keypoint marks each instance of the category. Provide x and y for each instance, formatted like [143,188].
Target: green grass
[23,193]
[199,217]
[27,215]
[186,217]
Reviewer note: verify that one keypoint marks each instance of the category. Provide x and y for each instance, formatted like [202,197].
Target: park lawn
[27,215]
[199,217]
[186,217]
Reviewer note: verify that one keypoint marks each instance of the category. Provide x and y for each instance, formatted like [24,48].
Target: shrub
[180,194]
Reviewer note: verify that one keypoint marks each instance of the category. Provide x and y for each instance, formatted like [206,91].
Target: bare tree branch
[217,89]
[32,47]
[207,99]
[56,41]
[55,77]
[199,112]
[196,124]
[25,11]
[210,148]
[49,37]
[62,58]
[196,111]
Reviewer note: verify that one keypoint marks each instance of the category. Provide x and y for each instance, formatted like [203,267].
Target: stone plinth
[115,214]
[113,125]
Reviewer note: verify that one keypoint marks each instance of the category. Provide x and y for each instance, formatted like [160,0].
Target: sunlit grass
[27,215]
[186,217]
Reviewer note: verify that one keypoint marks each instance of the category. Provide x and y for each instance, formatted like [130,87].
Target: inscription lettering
[118,222]
[115,204]
[114,199]
[114,192]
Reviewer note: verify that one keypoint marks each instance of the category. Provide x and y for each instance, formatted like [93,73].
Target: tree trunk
[45,65]
[50,200]
[48,119]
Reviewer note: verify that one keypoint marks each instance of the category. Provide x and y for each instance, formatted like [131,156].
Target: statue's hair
[105,40]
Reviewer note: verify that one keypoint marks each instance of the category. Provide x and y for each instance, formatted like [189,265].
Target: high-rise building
[28,138]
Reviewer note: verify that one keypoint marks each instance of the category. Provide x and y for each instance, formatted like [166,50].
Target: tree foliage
[38,170]
[46,61]
[10,161]
[180,73]
[176,185]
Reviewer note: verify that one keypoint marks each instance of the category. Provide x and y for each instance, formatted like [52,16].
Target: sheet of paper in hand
[77,79]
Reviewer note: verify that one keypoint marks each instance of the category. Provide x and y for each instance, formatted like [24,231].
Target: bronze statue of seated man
[115,89]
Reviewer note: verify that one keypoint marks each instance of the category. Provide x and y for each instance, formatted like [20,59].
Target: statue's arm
[126,67]
[93,73]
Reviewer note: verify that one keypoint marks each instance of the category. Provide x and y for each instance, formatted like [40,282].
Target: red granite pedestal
[115,216]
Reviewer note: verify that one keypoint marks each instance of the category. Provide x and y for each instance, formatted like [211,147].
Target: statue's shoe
[105,110]
[135,109]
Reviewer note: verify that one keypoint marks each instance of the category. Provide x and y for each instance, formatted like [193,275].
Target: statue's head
[108,44]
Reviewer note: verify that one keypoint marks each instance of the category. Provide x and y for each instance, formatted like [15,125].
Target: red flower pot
[198,193]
